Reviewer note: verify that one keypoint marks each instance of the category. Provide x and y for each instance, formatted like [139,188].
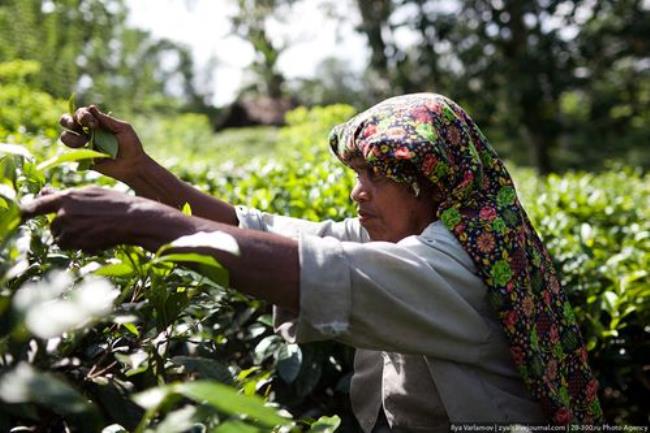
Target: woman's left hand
[93,218]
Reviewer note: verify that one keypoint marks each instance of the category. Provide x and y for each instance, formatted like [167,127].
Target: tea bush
[158,347]
[79,352]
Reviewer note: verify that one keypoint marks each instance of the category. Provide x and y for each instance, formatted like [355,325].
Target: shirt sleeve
[346,230]
[420,295]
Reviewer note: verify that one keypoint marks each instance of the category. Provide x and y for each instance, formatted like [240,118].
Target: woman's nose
[359,193]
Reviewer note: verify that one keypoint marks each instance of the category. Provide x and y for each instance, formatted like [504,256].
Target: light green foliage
[74,38]
[22,107]
[189,139]
[597,228]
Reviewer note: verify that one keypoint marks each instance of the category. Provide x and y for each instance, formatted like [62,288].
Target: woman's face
[389,210]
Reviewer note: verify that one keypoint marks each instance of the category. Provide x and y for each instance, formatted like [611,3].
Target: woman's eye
[373,175]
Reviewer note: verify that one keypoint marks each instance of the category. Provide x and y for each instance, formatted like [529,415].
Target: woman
[441,283]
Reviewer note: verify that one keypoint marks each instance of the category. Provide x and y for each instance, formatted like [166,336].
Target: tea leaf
[207,368]
[289,362]
[325,424]
[75,155]
[72,107]
[115,270]
[228,400]
[105,142]
[206,265]
[25,384]
[235,426]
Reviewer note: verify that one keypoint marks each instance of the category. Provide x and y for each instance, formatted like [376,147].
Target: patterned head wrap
[429,135]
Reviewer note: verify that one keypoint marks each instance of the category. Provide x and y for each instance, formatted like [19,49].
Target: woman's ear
[428,190]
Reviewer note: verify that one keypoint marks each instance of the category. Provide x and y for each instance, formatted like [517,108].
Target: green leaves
[205,264]
[72,106]
[105,142]
[221,397]
[206,368]
[9,214]
[75,155]
[289,362]
[325,424]
[24,384]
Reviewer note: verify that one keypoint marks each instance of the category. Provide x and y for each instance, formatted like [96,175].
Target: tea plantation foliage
[129,341]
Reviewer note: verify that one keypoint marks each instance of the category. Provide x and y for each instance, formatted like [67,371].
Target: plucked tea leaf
[105,142]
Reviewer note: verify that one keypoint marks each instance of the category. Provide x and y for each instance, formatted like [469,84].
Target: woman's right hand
[130,154]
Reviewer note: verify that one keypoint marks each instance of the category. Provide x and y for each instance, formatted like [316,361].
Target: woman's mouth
[364,216]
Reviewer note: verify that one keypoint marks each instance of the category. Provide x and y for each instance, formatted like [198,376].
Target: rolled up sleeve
[346,230]
[383,296]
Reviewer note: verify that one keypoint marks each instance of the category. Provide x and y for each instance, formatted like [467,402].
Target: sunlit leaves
[48,313]
[24,384]
[219,396]
[326,424]
[215,240]
[71,156]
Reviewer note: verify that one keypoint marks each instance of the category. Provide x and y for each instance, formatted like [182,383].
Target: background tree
[86,45]
[527,69]
[250,23]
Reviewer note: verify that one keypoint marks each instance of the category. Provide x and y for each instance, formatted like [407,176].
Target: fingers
[84,117]
[49,203]
[74,136]
[73,139]
[91,117]
[107,122]
[77,233]
[69,123]
[46,190]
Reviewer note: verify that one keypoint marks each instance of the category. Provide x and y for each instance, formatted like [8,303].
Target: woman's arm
[153,181]
[95,218]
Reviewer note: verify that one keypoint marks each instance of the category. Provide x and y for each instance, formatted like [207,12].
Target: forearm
[154,182]
[267,266]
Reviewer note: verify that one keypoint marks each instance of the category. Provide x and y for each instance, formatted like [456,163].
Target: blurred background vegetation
[561,88]
[556,84]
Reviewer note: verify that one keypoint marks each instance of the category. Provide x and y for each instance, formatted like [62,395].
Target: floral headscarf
[428,134]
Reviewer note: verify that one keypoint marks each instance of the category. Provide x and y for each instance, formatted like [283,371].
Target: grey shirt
[430,350]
